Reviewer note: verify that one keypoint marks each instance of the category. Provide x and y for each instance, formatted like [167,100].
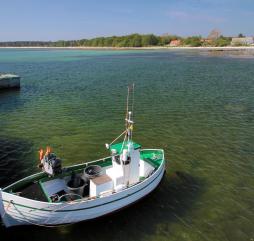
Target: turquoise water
[198,108]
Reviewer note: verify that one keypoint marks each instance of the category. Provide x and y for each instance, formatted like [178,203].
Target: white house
[242,41]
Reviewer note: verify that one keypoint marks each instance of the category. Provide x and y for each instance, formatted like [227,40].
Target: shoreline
[228,48]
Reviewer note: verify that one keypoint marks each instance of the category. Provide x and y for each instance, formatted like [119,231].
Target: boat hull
[16,210]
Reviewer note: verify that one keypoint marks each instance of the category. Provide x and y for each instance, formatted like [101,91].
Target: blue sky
[76,19]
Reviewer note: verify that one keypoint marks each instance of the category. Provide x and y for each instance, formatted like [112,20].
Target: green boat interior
[60,187]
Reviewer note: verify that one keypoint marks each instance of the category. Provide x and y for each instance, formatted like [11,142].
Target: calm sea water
[198,108]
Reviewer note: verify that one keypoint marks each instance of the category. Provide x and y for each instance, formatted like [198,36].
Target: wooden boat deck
[32,191]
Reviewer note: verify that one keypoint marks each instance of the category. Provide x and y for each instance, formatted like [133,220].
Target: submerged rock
[8,81]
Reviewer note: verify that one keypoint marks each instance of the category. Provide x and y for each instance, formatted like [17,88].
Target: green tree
[193,41]
[222,41]
[60,43]
[149,40]
[136,40]
[108,42]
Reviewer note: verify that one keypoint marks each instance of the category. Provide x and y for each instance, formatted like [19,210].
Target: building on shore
[175,43]
[242,41]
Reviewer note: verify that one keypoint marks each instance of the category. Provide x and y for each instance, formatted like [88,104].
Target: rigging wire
[133,86]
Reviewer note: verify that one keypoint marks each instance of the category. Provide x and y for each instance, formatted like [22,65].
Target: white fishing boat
[89,190]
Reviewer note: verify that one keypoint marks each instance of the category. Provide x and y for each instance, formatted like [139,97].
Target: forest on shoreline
[132,40]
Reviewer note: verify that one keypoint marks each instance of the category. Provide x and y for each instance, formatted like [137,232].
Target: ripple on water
[15,159]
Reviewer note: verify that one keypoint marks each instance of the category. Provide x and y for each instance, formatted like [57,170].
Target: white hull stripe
[79,209]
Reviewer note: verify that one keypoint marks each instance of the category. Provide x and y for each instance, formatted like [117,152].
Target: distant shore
[139,48]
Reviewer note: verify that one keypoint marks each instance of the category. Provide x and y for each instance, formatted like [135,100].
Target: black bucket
[92,171]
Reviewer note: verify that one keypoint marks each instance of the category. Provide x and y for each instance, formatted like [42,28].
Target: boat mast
[129,114]
[128,121]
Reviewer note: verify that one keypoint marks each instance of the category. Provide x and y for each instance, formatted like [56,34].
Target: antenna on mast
[128,119]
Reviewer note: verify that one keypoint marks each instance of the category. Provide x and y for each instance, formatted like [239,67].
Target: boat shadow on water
[167,205]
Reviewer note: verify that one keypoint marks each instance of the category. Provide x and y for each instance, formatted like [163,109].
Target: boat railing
[109,157]
[90,162]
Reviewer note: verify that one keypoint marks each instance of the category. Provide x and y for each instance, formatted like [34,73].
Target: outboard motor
[51,164]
